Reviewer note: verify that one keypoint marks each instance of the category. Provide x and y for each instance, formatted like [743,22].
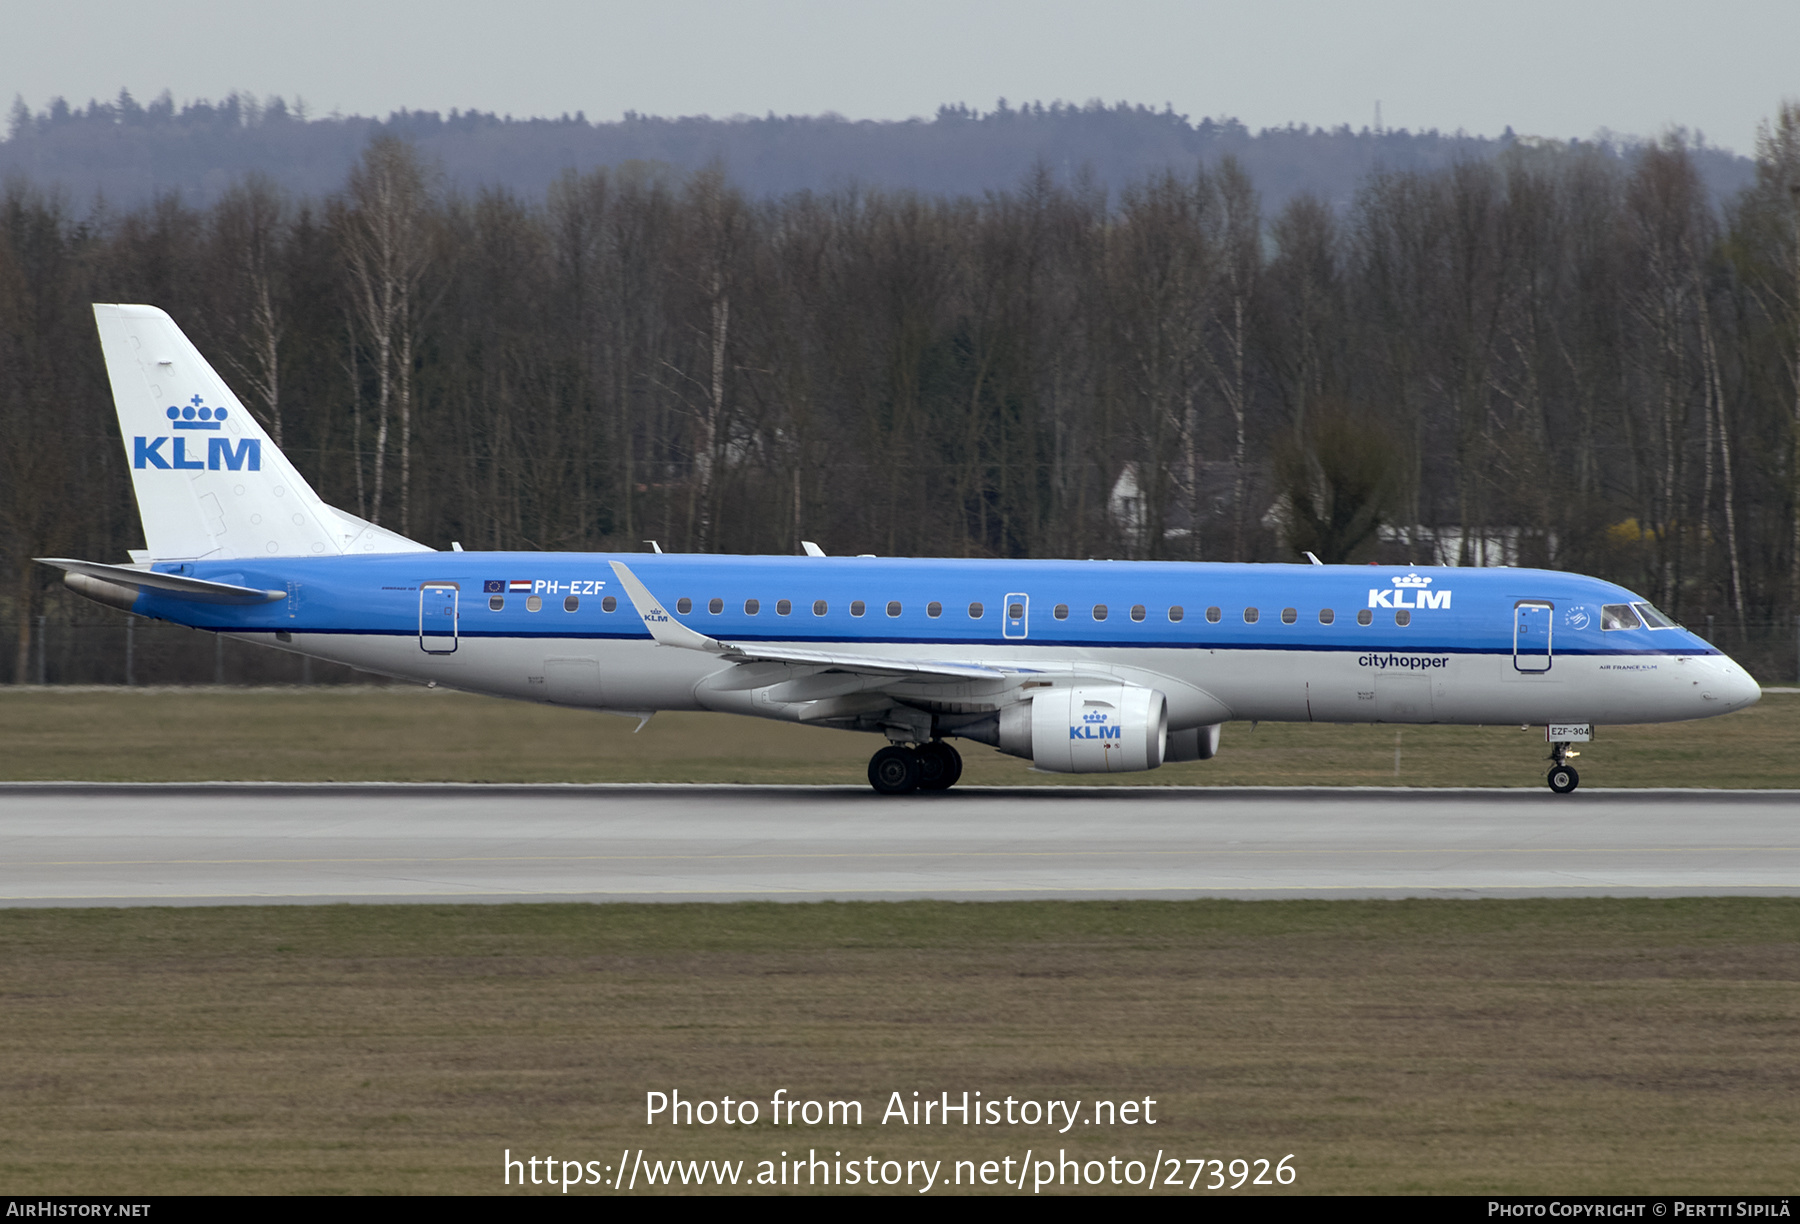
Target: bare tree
[1667,221]
[384,235]
[37,320]
[1394,240]
[1239,243]
[248,228]
[1778,281]
[1303,305]
[719,219]
[1714,391]
[1164,264]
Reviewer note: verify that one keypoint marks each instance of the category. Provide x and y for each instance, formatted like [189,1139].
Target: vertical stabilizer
[209,482]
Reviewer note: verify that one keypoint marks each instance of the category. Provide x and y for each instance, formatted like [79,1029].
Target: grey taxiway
[84,844]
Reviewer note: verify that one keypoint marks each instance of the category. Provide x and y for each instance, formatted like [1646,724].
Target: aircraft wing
[670,632]
[873,665]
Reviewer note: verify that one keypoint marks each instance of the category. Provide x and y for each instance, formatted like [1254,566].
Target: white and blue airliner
[1076,666]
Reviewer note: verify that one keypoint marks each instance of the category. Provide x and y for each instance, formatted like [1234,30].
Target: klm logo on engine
[1409,592]
[221,453]
[1094,727]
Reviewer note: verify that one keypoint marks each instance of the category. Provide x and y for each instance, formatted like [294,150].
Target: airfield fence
[130,650]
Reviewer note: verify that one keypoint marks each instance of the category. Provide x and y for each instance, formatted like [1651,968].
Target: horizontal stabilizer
[177,586]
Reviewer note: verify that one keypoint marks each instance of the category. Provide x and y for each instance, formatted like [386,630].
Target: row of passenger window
[785,607]
[535,603]
[1215,615]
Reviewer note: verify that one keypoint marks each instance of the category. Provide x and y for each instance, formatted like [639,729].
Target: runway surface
[81,844]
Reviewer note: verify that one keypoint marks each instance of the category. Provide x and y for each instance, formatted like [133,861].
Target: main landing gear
[1563,777]
[932,766]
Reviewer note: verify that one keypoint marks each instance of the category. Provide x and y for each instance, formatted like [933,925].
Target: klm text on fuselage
[1397,599]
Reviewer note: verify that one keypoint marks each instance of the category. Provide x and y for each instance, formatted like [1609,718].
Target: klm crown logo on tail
[196,415]
[221,454]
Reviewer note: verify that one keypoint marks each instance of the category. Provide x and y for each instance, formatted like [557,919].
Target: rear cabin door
[437,618]
[1531,635]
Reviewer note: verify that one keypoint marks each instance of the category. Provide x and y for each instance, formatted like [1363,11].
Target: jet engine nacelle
[1192,744]
[1114,728]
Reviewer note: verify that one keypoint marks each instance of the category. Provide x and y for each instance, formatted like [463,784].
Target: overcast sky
[1546,67]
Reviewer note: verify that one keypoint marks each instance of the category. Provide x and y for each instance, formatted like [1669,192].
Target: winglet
[664,628]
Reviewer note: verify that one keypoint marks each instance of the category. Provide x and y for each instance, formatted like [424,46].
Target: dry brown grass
[410,734]
[1626,1046]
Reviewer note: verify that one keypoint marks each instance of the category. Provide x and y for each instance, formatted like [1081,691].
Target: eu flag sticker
[493,586]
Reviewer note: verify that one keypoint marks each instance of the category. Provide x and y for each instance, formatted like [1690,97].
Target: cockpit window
[1653,618]
[1618,616]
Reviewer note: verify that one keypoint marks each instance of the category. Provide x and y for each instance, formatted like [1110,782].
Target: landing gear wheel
[1564,779]
[940,766]
[894,770]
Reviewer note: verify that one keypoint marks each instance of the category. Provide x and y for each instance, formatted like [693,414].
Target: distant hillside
[128,153]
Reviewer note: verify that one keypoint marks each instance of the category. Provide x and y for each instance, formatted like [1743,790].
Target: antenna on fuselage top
[654,546]
[1312,558]
[812,550]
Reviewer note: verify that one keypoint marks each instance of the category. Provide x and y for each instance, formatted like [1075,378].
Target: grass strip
[1567,1046]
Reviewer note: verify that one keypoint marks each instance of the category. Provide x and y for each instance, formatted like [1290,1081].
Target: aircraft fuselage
[1265,642]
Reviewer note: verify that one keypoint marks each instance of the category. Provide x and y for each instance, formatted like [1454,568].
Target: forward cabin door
[1531,635]
[437,617]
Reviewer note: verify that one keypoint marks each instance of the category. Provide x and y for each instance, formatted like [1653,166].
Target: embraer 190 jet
[1075,666]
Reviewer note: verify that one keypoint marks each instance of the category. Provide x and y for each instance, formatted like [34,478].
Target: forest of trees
[1554,356]
[129,153]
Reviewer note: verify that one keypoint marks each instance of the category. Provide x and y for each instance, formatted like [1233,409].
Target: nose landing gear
[932,766]
[1563,777]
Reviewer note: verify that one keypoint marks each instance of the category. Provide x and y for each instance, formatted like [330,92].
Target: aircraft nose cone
[1748,692]
[1732,686]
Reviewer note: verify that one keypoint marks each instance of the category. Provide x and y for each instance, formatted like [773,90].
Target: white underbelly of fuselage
[1204,685]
